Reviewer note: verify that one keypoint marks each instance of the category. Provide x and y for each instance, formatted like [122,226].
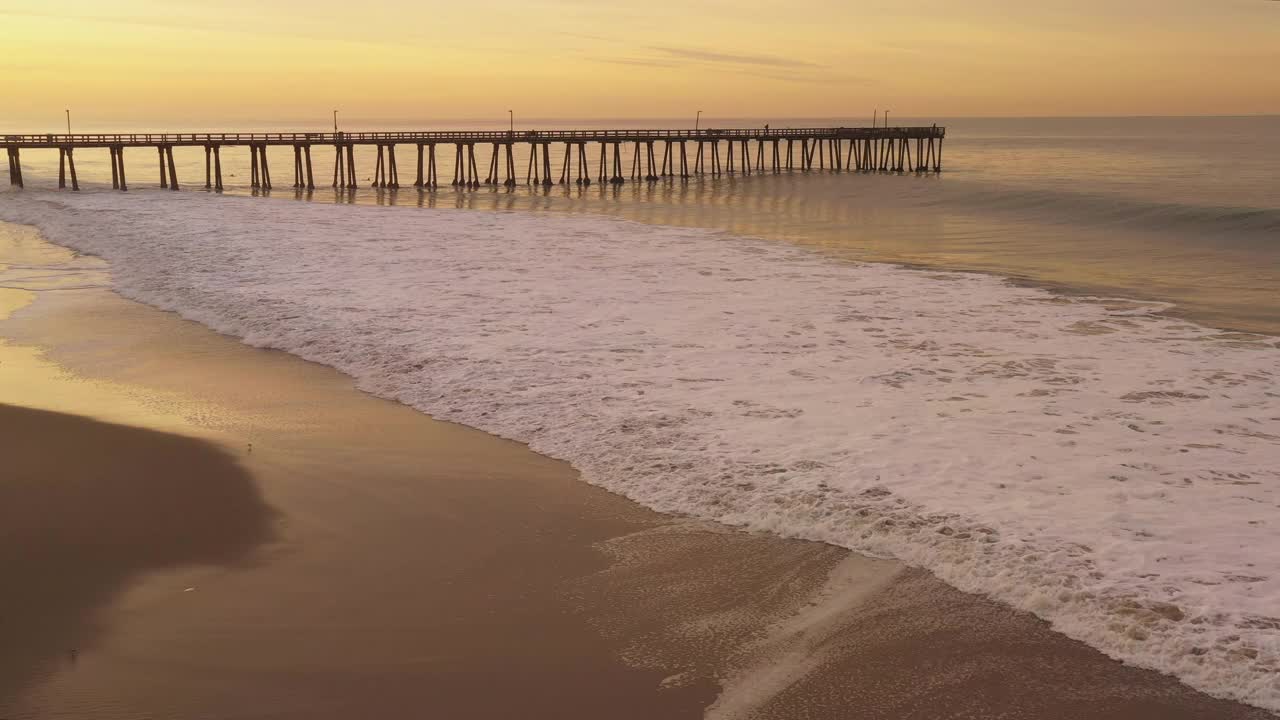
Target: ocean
[1048,375]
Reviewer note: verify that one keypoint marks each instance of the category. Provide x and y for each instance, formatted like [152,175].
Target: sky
[197,64]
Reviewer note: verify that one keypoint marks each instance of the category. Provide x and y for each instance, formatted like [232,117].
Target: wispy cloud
[734,59]
[769,67]
[642,62]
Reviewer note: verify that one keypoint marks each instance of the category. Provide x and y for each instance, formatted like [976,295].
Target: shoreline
[89,331]
[405,569]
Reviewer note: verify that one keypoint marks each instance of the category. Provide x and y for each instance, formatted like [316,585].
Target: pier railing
[49,140]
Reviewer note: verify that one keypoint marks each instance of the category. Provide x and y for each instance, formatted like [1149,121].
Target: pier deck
[714,152]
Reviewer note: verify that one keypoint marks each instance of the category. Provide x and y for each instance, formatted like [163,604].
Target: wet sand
[254,537]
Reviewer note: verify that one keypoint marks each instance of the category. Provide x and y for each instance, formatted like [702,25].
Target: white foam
[1115,472]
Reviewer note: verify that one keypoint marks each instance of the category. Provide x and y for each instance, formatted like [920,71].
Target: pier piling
[15,167]
[67,162]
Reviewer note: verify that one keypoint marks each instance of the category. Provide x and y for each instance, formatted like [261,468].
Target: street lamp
[68,122]
[512,115]
[697,121]
[335,121]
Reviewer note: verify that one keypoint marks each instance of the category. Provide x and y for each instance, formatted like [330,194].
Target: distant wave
[1114,471]
[1236,224]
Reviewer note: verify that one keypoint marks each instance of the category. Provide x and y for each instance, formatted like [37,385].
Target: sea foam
[1114,471]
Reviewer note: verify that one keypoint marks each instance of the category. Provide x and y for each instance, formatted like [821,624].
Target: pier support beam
[260,173]
[617,178]
[426,177]
[567,164]
[15,167]
[118,181]
[385,172]
[302,176]
[168,170]
[344,166]
[465,172]
[173,167]
[66,161]
[491,175]
[584,172]
[266,170]
[217,168]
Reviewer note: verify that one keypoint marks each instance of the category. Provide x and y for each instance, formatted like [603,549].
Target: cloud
[767,67]
[734,59]
[643,62]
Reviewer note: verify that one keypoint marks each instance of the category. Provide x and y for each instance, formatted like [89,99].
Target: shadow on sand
[86,506]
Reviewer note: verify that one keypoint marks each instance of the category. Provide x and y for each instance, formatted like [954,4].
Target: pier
[553,156]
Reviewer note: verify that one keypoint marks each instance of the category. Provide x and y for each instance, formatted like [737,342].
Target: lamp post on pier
[335,121]
[697,120]
[511,114]
[68,121]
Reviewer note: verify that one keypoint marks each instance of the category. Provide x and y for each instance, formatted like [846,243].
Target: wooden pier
[580,156]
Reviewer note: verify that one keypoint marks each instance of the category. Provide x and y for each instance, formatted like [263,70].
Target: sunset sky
[197,64]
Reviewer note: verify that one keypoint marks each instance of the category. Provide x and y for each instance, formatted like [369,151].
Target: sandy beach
[244,534]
